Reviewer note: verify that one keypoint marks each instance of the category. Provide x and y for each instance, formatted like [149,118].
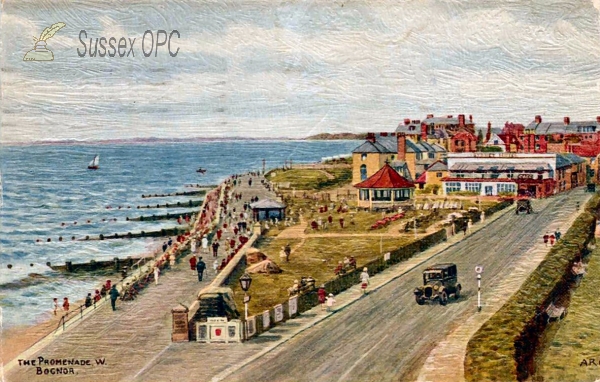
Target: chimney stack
[538,119]
[449,116]
[470,118]
[406,121]
[384,134]
[567,120]
[423,131]
[371,137]
[488,135]
[598,119]
[429,116]
[401,139]
[461,120]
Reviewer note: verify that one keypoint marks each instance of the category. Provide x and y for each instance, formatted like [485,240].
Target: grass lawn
[311,179]
[316,257]
[578,335]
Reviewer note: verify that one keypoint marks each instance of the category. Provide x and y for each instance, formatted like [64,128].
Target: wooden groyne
[190,203]
[162,217]
[115,264]
[186,193]
[129,235]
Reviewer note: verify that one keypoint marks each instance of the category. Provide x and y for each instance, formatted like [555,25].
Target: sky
[260,68]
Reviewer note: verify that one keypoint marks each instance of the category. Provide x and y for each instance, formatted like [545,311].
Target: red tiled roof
[422,178]
[386,177]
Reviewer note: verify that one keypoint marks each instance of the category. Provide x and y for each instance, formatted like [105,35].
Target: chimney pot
[538,119]
[429,115]
[371,137]
[406,121]
[461,120]
[449,116]
[470,118]
[567,120]
[383,134]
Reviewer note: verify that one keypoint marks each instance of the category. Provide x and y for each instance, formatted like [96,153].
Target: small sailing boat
[94,164]
[201,170]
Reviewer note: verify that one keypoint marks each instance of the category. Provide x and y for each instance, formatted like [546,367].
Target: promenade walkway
[137,332]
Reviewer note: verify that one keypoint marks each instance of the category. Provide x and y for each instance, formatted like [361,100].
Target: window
[363,172]
[460,175]
[495,141]
[537,147]
[452,187]
[473,187]
[438,174]
[431,155]
[363,157]
[392,157]
[364,194]
[507,187]
[419,156]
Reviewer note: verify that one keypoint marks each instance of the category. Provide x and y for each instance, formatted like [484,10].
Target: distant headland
[328,136]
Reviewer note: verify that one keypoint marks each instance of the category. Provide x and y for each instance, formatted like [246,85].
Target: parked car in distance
[440,281]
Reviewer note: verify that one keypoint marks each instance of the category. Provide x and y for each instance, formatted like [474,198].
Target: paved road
[386,336]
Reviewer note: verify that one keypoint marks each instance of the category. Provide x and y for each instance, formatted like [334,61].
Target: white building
[497,173]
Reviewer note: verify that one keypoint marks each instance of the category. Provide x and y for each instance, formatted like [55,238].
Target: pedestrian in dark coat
[215,247]
[287,250]
[114,295]
[200,268]
[546,237]
[88,300]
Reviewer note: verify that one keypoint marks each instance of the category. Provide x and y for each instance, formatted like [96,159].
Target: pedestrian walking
[164,246]
[469,225]
[193,262]
[330,301]
[156,274]
[97,296]
[114,295]
[557,235]
[216,266]
[215,248]
[66,304]
[546,237]
[55,303]
[287,250]
[200,268]
[551,239]
[322,294]
[88,300]
[204,244]
[364,280]
[193,245]
[341,222]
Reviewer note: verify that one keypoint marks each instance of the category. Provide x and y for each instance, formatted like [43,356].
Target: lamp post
[245,282]
[479,270]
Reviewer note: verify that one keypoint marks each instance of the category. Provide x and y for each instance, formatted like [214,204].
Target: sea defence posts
[186,193]
[162,217]
[115,264]
[190,203]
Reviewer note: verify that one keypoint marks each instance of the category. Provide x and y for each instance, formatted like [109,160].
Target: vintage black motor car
[523,205]
[440,281]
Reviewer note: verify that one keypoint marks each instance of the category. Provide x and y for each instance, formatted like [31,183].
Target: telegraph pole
[263,161]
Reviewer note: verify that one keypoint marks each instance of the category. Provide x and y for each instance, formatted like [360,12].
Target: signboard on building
[278,310]
[293,306]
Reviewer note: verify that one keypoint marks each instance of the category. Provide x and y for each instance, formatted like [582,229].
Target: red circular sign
[218,332]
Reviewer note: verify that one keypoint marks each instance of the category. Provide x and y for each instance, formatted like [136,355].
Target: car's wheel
[443,298]
[457,293]
[419,300]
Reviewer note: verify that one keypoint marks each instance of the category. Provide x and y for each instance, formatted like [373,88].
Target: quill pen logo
[40,52]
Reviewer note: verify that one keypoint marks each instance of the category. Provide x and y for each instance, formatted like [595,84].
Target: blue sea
[47,188]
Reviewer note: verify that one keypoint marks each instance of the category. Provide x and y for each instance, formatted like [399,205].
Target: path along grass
[577,339]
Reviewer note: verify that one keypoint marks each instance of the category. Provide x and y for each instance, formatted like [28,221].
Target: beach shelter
[384,189]
[254,256]
[265,266]
[267,209]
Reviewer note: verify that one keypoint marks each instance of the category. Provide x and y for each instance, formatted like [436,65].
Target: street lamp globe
[245,282]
